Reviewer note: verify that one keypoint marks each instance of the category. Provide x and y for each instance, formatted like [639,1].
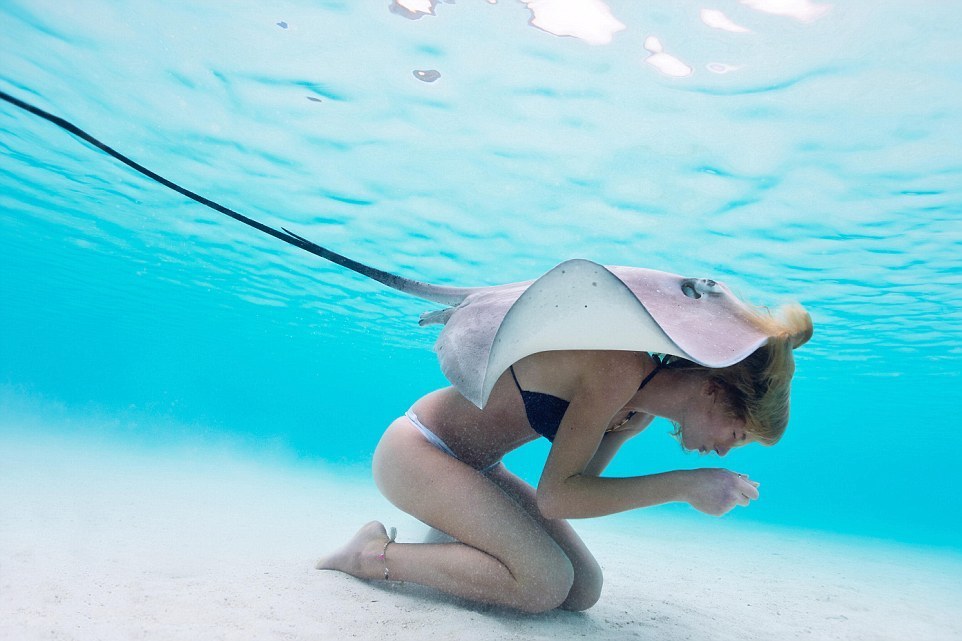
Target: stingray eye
[688,288]
[706,286]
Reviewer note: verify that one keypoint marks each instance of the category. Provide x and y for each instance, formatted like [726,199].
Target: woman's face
[707,426]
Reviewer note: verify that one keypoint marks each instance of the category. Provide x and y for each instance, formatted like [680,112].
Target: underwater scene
[189,406]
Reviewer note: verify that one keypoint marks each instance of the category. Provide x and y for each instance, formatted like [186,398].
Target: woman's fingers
[717,491]
[747,487]
[748,490]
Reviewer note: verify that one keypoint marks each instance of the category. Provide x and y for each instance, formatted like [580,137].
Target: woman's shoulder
[572,370]
[614,361]
[592,361]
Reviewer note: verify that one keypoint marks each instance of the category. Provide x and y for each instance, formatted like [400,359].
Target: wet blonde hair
[756,390]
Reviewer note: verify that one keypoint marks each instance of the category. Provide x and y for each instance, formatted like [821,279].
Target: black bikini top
[545,411]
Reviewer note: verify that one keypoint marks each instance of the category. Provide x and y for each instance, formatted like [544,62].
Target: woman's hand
[716,491]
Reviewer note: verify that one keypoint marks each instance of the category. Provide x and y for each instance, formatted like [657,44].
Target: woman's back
[480,437]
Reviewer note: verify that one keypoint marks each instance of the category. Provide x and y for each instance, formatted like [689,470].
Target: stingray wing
[582,305]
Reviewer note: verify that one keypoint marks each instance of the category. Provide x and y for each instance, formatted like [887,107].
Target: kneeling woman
[441,463]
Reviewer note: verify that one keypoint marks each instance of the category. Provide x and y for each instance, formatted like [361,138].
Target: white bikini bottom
[436,441]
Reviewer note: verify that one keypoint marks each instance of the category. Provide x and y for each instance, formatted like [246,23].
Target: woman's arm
[713,491]
[567,490]
[612,441]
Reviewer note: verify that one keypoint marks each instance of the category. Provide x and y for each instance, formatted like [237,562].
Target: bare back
[481,437]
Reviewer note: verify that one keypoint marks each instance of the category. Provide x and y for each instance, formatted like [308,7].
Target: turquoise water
[823,167]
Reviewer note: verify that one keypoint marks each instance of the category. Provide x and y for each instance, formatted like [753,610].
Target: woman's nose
[722,450]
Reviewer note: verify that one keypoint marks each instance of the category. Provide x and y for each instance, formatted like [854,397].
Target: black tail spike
[292,234]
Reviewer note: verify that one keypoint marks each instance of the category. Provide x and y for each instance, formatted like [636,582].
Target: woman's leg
[588,578]
[502,555]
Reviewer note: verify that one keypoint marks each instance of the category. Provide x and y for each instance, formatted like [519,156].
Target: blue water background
[827,170]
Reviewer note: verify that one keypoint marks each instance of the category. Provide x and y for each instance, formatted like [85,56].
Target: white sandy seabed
[108,542]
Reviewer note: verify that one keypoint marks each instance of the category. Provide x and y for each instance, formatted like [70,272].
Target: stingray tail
[435,293]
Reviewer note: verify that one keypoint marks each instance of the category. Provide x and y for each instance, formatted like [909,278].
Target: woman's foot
[361,556]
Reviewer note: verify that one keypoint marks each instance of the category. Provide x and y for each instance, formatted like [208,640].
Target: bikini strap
[661,364]
[515,377]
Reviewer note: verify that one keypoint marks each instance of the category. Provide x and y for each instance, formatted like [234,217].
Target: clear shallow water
[824,169]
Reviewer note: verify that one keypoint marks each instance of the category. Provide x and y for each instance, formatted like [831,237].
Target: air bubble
[427,75]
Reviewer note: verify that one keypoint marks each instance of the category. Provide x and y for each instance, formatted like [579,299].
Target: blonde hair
[757,389]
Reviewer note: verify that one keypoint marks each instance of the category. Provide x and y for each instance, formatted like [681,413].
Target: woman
[441,463]
[513,546]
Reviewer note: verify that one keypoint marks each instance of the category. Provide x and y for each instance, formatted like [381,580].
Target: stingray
[577,305]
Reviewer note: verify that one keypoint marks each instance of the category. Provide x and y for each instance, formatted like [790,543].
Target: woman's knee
[582,596]
[547,587]
[586,589]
